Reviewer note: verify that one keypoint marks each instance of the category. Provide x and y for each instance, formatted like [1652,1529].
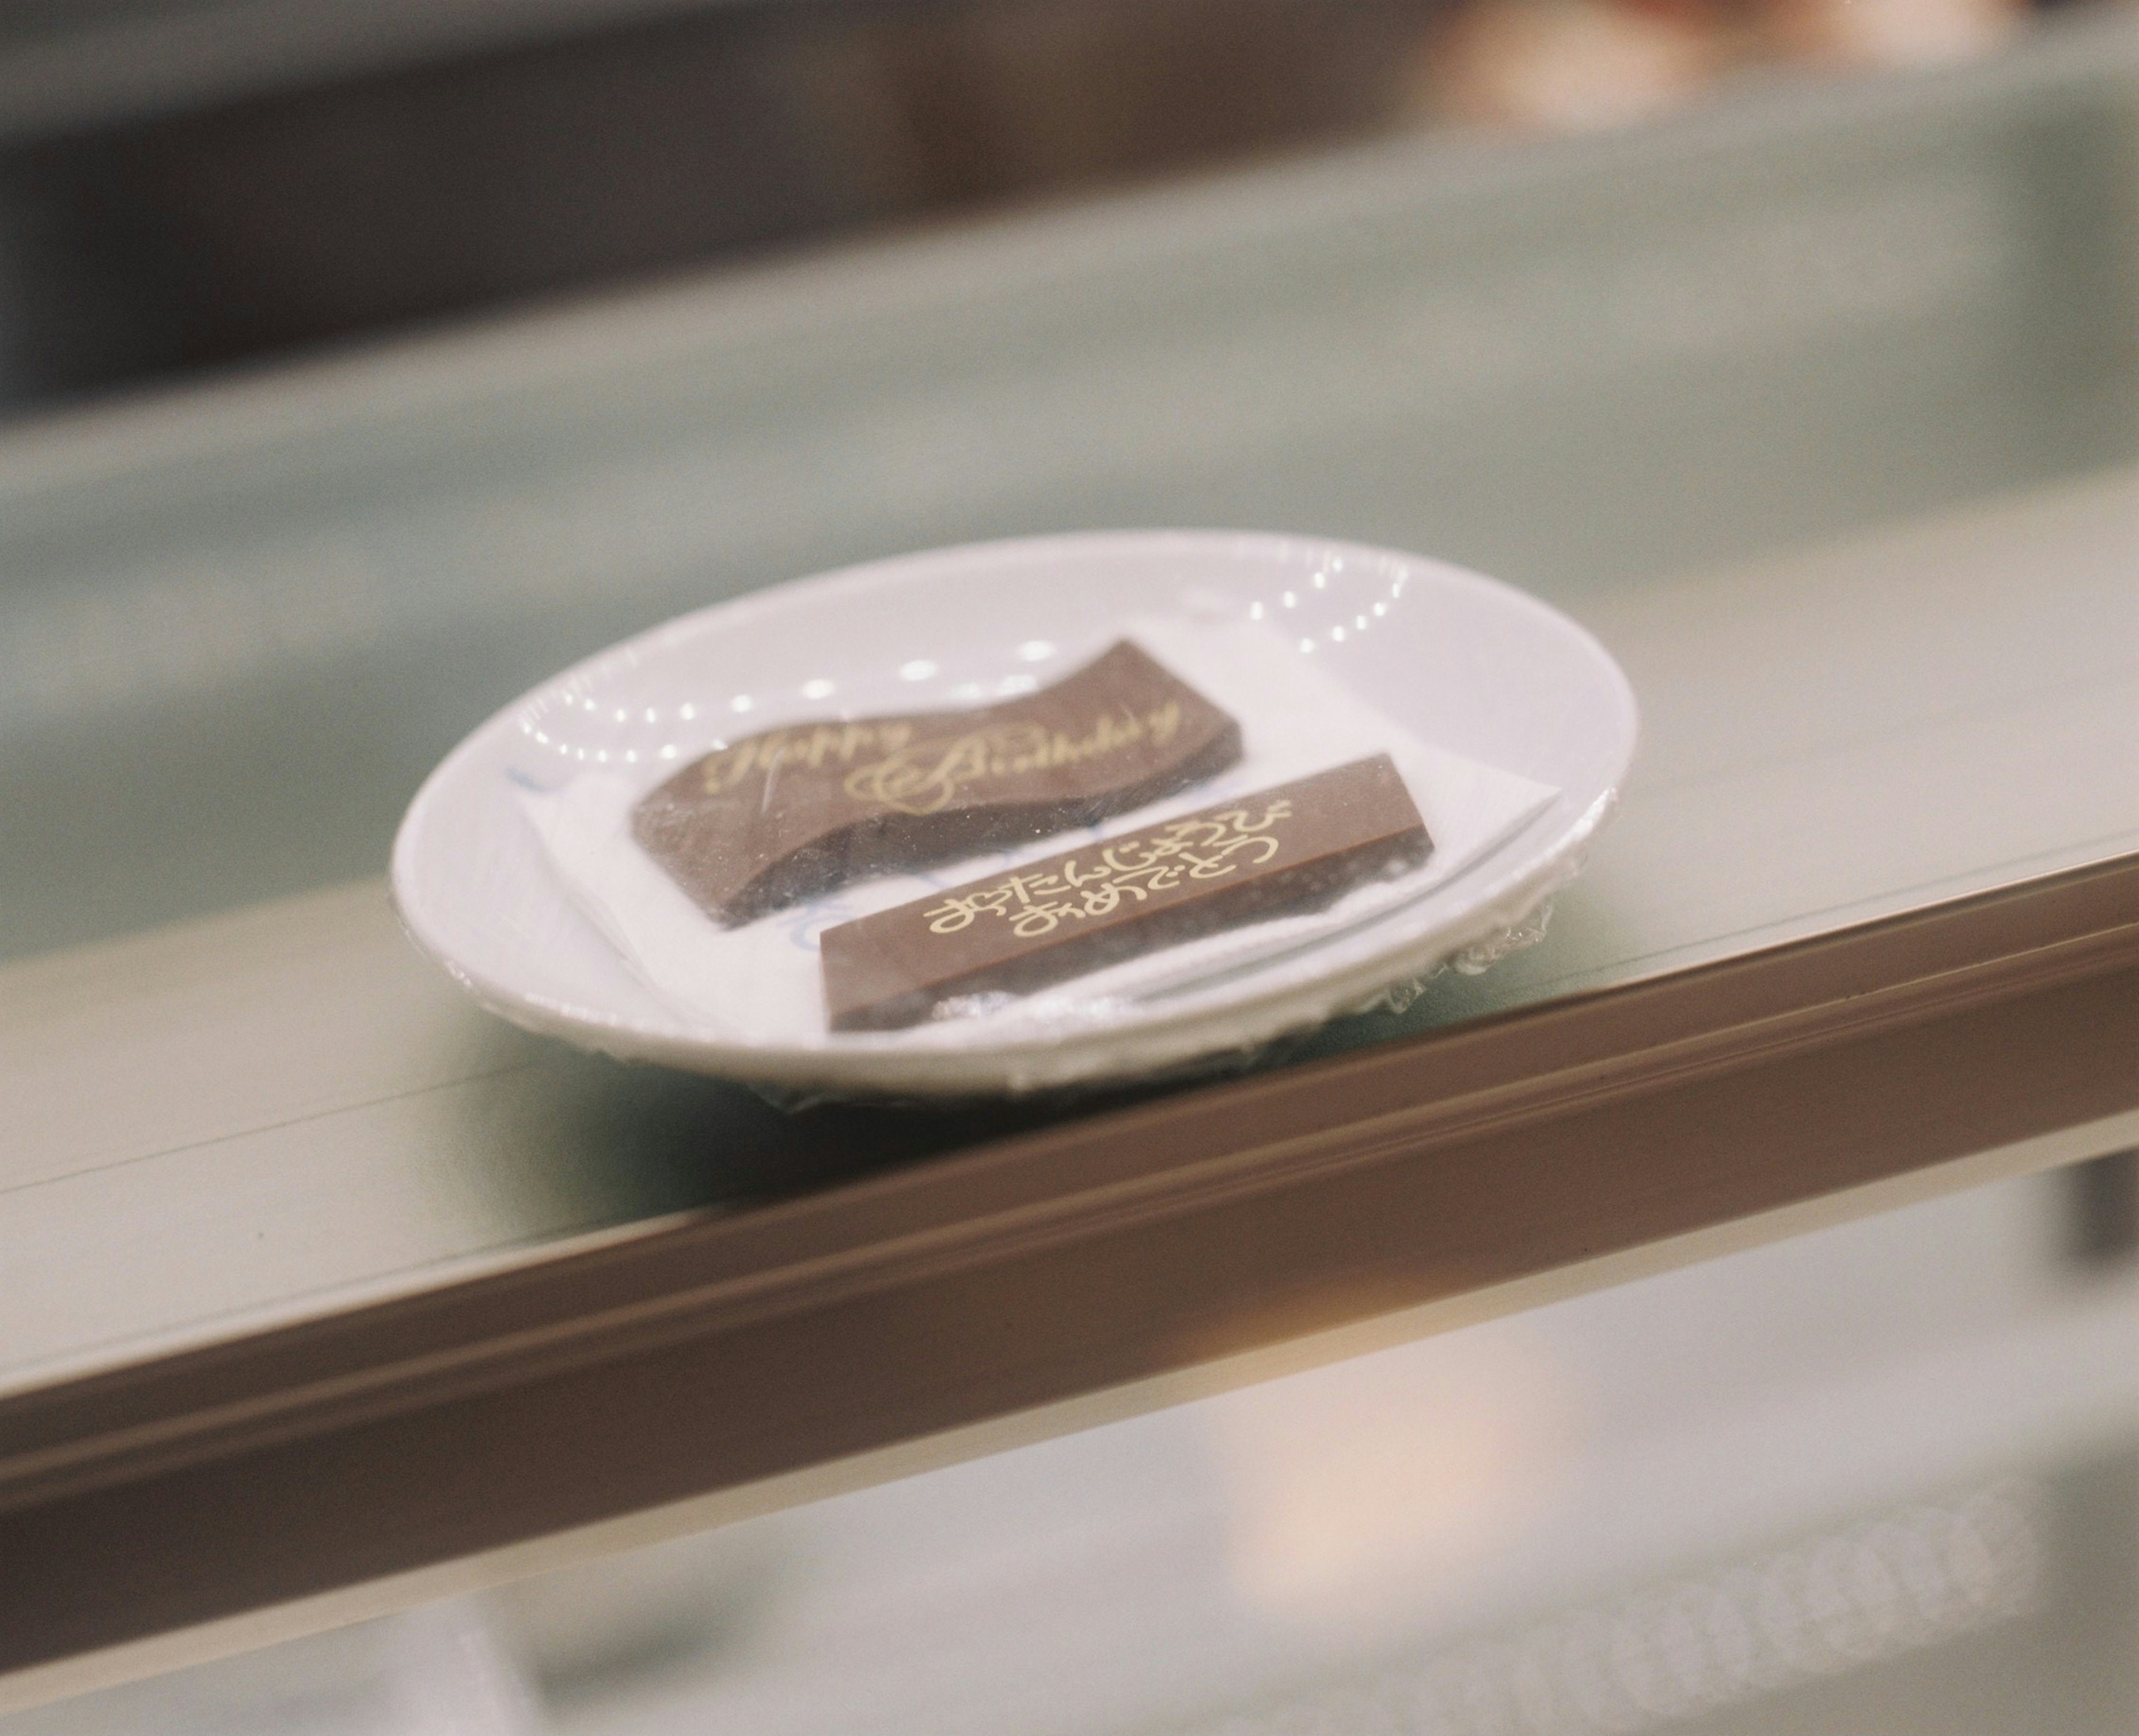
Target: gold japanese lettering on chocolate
[1037,904]
[1297,847]
[791,811]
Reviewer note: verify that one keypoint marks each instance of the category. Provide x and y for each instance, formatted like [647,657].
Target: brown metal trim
[713,1353]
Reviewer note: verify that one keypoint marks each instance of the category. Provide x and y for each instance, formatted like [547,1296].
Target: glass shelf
[1817,409]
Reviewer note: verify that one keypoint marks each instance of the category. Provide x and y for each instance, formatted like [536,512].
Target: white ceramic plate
[1457,660]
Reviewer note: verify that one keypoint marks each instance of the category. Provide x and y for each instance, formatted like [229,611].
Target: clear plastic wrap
[1157,801]
[1191,802]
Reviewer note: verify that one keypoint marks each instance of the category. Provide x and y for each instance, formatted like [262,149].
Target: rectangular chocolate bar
[791,812]
[1298,846]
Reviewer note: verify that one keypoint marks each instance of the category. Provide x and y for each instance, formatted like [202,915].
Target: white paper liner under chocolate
[760,983]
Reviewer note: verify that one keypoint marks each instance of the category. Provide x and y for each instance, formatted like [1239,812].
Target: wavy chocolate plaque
[798,811]
[1296,847]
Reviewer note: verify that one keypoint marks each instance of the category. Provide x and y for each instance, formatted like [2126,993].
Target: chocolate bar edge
[895,843]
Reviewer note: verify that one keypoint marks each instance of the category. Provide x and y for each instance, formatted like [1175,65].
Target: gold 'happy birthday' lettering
[812,746]
[928,776]
[1135,869]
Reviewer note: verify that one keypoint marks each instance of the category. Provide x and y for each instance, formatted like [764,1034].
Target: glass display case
[1666,1323]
